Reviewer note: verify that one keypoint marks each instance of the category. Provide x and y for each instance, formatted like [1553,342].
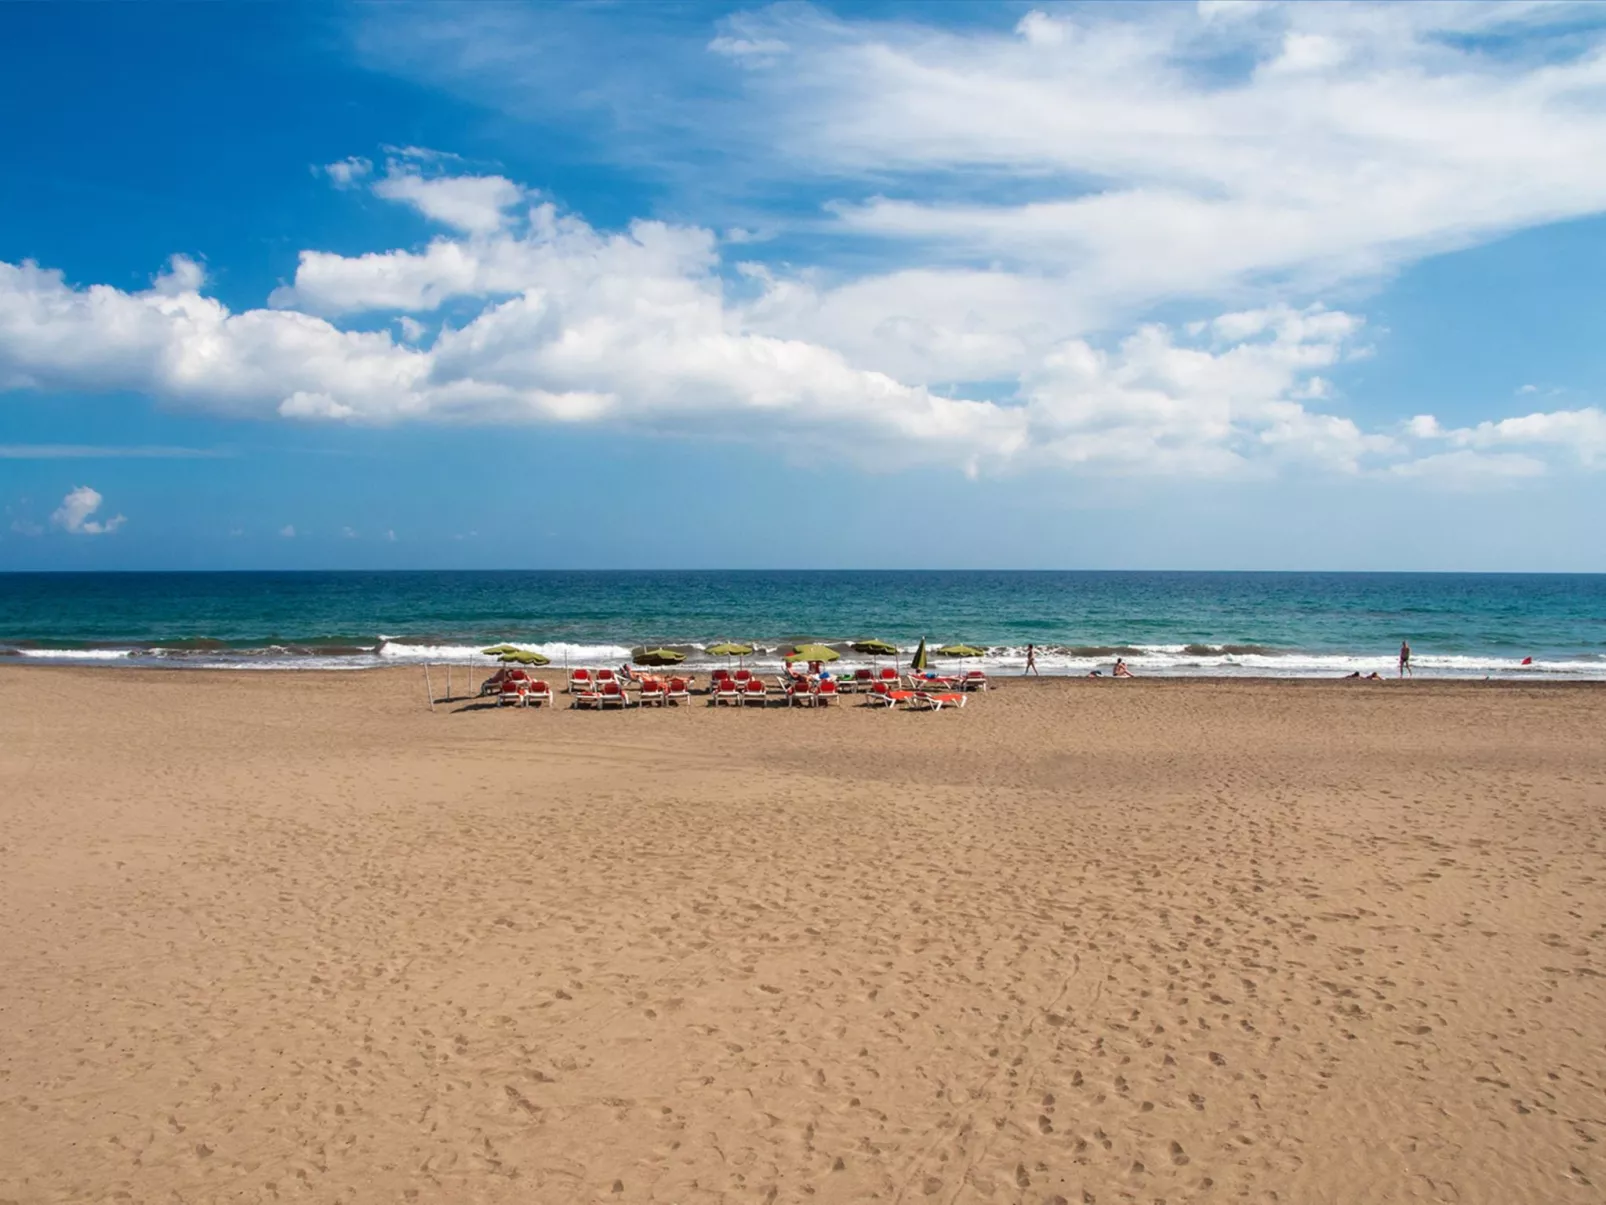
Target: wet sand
[293,937]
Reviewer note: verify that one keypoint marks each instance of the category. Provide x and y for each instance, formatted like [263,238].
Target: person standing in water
[1405,658]
[1031,662]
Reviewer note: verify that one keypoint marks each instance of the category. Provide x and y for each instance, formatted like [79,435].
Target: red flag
[1527,660]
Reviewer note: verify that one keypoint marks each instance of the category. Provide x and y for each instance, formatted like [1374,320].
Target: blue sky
[1192,286]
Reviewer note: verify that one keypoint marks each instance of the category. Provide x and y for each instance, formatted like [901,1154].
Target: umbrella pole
[429,690]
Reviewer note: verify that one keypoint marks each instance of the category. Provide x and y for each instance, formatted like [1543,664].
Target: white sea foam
[557,652]
[78,654]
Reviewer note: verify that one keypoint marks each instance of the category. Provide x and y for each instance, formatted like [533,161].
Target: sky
[1219,285]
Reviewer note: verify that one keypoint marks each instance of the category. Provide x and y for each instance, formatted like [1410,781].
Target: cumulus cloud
[74,514]
[1581,432]
[349,172]
[647,328]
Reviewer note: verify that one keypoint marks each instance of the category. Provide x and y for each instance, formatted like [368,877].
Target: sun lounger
[725,692]
[512,694]
[653,693]
[604,676]
[883,695]
[756,692]
[679,691]
[586,699]
[826,694]
[581,682]
[613,695]
[925,701]
[537,693]
[973,680]
[800,695]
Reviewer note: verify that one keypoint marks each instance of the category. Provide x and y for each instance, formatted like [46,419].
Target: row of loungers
[863,680]
[517,688]
[801,693]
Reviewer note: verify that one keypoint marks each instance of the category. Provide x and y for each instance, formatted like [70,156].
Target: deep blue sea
[1239,624]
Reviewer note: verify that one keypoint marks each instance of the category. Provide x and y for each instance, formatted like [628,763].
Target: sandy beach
[293,937]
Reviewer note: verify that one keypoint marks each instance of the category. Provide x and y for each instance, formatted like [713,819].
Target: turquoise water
[1283,624]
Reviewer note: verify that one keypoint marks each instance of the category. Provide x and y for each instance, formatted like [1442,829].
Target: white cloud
[288,531]
[26,527]
[473,204]
[348,172]
[390,537]
[1583,432]
[349,533]
[1362,137]
[73,515]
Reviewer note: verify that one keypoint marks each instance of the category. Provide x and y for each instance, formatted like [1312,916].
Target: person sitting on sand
[1121,670]
[1095,673]
[1374,676]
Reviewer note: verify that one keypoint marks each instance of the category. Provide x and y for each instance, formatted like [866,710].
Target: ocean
[1214,624]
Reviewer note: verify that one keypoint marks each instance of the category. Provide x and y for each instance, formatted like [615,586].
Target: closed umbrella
[918,662]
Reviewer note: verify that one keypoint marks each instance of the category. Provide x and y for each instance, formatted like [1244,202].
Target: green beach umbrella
[658,657]
[524,657]
[499,650]
[812,652]
[876,648]
[730,650]
[919,660]
[961,650]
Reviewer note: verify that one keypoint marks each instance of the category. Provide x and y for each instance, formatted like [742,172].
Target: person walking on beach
[1405,658]
[1031,662]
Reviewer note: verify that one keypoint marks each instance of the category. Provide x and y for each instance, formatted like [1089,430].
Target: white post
[428,689]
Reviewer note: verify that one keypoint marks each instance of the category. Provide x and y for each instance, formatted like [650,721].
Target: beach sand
[292,937]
